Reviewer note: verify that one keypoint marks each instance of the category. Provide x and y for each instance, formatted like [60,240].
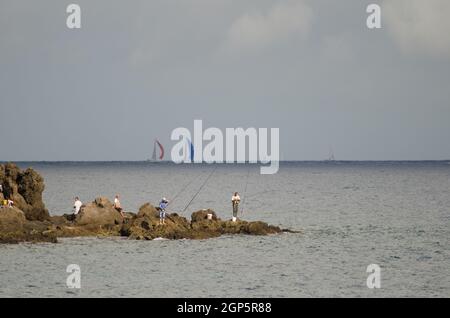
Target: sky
[138,69]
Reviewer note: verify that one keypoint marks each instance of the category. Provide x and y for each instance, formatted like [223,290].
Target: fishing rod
[204,183]
[245,190]
[183,189]
[178,194]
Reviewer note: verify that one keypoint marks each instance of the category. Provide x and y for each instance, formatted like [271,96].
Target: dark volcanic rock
[14,228]
[203,215]
[25,188]
[146,226]
[11,220]
[98,213]
[98,218]
[148,210]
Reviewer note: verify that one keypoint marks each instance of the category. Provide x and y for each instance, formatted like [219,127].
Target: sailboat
[331,155]
[157,146]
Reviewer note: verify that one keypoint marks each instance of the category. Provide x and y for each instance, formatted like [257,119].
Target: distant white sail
[331,155]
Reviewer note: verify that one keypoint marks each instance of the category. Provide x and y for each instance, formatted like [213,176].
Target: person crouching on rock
[235,200]
[117,206]
[162,211]
[77,205]
[76,209]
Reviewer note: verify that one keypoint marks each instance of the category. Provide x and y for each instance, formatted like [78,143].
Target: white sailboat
[331,155]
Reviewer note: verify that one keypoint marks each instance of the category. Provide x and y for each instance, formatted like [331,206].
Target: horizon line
[235,162]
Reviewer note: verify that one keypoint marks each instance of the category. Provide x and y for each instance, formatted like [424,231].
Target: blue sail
[192,151]
[189,150]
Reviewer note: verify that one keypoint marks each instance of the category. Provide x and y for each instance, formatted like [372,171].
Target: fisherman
[235,200]
[162,211]
[10,203]
[77,206]
[117,206]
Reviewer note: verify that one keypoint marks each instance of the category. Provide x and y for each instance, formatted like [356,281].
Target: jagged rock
[203,215]
[90,230]
[98,213]
[103,202]
[261,228]
[146,226]
[60,220]
[14,228]
[25,188]
[11,220]
[148,210]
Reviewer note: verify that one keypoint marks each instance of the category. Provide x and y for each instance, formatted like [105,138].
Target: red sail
[161,148]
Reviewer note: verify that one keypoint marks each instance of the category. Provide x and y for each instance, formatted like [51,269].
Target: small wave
[424,258]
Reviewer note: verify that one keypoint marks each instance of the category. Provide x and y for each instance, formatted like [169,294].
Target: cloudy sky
[138,69]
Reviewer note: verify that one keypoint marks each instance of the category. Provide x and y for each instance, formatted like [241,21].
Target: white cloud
[259,30]
[419,25]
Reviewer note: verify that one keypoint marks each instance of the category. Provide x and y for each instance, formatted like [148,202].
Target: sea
[351,218]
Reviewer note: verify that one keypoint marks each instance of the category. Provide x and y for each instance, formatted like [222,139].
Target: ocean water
[351,214]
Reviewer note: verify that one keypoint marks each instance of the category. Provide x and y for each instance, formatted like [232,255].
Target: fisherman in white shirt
[118,206]
[77,205]
[235,200]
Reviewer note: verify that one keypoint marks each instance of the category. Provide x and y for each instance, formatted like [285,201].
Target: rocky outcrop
[146,226]
[15,228]
[203,215]
[148,210]
[11,219]
[98,219]
[30,221]
[101,212]
[25,188]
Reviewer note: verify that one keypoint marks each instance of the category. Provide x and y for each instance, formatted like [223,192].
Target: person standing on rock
[117,206]
[162,211]
[77,206]
[235,200]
